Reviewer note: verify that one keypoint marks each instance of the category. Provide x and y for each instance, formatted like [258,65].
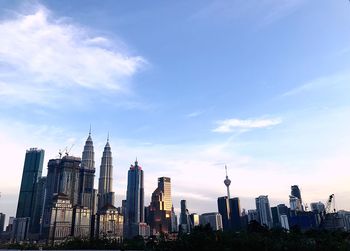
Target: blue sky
[187,87]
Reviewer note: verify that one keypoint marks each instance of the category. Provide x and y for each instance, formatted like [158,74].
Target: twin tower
[105,195]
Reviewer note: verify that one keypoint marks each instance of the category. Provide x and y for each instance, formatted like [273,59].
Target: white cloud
[43,60]
[230,125]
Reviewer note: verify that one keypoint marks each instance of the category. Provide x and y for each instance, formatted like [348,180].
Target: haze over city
[186,88]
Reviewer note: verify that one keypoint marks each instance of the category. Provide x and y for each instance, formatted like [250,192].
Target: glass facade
[32,170]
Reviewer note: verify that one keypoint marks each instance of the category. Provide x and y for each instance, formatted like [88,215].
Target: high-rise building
[252,215]
[134,208]
[194,220]
[230,211]
[33,166]
[295,204]
[295,192]
[213,219]
[229,208]
[37,218]
[105,185]
[235,214]
[2,222]
[185,222]
[87,175]
[317,207]
[224,211]
[264,211]
[63,180]
[174,226]
[160,207]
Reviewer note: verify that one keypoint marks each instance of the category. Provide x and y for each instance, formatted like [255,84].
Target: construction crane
[329,204]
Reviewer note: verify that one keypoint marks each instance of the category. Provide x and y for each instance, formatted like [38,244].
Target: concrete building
[81,222]
[60,224]
[109,223]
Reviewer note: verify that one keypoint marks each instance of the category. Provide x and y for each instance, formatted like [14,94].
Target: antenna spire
[90,130]
[108,137]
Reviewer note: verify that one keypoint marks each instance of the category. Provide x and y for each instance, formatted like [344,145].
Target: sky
[186,87]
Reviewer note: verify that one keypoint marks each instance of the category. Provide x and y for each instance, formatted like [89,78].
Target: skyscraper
[87,175]
[105,184]
[224,210]
[63,180]
[264,211]
[229,208]
[160,208]
[295,192]
[33,166]
[39,206]
[2,222]
[134,208]
[184,217]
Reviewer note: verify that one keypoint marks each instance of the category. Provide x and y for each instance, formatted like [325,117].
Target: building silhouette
[2,222]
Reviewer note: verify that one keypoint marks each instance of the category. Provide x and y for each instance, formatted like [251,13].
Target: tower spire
[108,137]
[227,183]
[90,130]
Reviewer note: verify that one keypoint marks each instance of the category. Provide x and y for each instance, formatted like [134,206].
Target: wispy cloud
[338,79]
[44,59]
[230,125]
[264,11]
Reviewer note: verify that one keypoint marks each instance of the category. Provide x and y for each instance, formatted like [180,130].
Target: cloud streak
[42,59]
[230,125]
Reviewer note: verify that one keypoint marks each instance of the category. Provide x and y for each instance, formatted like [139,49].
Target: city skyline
[267,99]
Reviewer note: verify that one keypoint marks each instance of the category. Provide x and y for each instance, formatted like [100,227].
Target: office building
[81,222]
[109,223]
[213,219]
[160,207]
[295,191]
[87,176]
[185,223]
[317,207]
[37,218]
[194,218]
[20,229]
[2,222]
[105,185]
[253,215]
[32,170]
[264,211]
[235,214]
[134,208]
[174,224]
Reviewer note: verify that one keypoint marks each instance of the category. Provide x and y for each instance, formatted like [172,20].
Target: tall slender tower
[135,209]
[105,194]
[87,175]
[227,182]
[32,170]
